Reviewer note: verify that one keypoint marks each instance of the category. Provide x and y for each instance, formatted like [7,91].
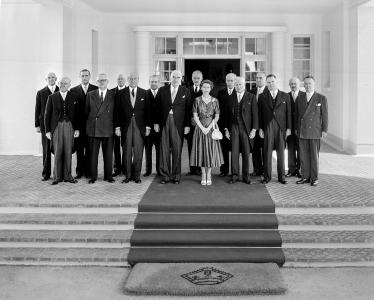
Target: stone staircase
[65,236]
[311,236]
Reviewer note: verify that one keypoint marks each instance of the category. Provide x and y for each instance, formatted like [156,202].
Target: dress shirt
[52,88]
[309,96]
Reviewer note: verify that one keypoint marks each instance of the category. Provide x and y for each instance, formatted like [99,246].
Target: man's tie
[174,93]
[195,89]
[239,97]
[102,97]
[154,93]
[230,92]
[133,93]
[85,89]
[52,89]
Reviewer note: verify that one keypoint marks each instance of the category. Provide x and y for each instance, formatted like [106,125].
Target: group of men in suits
[265,119]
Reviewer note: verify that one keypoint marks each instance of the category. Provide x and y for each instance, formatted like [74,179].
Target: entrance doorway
[212,69]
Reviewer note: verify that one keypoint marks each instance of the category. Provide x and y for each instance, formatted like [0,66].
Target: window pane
[250,66]
[173,65]
[247,76]
[260,46]
[221,46]
[199,45]
[301,40]
[171,45]
[160,46]
[260,66]
[188,46]
[233,46]
[210,46]
[301,53]
[250,46]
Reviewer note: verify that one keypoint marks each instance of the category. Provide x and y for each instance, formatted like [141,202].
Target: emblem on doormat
[207,276]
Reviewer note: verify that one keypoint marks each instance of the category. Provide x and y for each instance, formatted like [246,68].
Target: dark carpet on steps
[190,196]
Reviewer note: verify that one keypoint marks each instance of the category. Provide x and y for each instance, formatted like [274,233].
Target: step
[204,221]
[325,216]
[65,233]
[64,256]
[332,253]
[207,238]
[204,254]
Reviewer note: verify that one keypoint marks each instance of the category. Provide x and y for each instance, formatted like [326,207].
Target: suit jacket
[281,112]
[293,105]
[181,107]
[153,105]
[223,99]
[124,110]
[41,102]
[54,111]
[249,112]
[82,103]
[311,118]
[254,90]
[100,116]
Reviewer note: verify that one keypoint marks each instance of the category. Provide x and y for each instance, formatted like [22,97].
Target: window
[302,58]
[165,45]
[255,59]
[164,69]
[210,46]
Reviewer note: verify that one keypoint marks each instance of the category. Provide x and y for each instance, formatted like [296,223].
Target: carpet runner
[221,223]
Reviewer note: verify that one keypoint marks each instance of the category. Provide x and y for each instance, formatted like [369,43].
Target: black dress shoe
[247,181]
[282,181]
[45,178]
[116,174]
[147,174]
[54,182]
[164,181]
[264,181]
[71,181]
[302,181]
[91,181]
[176,181]
[231,181]
[297,174]
[138,180]
[289,174]
[314,183]
[78,176]
[222,174]
[126,180]
[110,180]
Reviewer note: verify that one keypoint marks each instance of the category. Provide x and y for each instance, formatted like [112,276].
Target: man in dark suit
[258,145]
[312,121]
[225,96]
[275,126]
[83,159]
[292,139]
[41,101]
[99,127]
[117,139]
[195,91]
[132,123]
[154,137]
[61,126]
[241,123]
[173,120]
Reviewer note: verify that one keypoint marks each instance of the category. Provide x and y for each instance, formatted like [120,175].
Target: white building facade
[332,40]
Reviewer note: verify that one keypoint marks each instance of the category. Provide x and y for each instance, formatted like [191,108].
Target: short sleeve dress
[205,152]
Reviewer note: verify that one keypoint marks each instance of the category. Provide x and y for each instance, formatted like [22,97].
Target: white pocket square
[184,96]
[142,99]
[284,102]
[318,104]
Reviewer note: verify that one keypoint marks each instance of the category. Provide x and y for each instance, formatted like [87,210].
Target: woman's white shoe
[203,182]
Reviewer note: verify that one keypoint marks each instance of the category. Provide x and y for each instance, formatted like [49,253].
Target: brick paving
[325,219]
[21,185]
[327,236]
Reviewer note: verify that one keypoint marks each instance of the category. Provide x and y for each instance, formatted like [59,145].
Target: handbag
[216,134]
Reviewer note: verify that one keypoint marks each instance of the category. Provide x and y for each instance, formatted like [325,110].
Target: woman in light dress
[206,152]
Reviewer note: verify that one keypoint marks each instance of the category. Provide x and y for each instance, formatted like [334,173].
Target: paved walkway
[52,283]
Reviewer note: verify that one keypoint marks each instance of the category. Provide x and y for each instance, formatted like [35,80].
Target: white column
[278,57]
[143,57]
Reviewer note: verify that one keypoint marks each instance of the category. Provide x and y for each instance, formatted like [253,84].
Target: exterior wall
[40,38]
[118,30]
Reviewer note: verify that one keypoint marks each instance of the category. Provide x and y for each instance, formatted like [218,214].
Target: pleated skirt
[205,151]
